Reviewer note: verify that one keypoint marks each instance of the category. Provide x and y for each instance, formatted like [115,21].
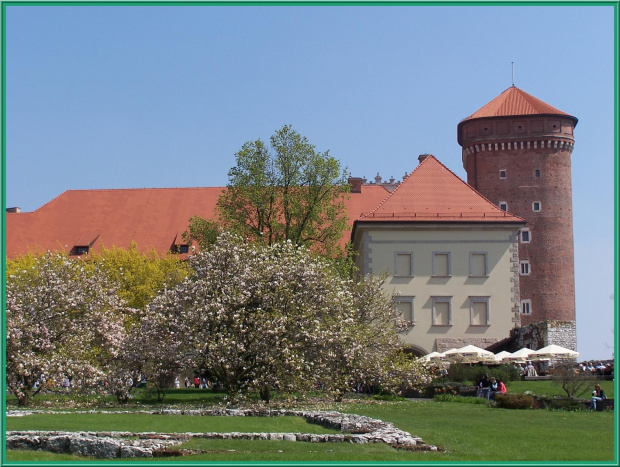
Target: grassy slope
[468,432]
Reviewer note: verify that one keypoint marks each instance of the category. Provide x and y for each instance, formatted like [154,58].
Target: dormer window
[503,205]
[80,250]
[83,243]
[183,249]
[502,173]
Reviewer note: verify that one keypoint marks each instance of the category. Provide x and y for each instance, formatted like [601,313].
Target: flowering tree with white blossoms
[273,317]
[63,320]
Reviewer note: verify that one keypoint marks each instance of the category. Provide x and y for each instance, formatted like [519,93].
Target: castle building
[488,262]
[449,256]
[516,151]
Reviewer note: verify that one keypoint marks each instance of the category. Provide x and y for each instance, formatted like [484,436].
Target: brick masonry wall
[551,283]
[539,335]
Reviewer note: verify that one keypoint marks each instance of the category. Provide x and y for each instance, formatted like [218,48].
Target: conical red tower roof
[515,102]
[432,192]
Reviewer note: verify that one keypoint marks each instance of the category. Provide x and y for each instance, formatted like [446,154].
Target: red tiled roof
[515,102]
[432,192]
[152,218]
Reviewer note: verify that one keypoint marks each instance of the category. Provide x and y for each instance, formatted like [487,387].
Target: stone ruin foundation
[119,444]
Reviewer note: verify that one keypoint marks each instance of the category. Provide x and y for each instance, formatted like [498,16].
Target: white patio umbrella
[430,356]
[443,356]
[492,360]
[520,356]
[553,352]
[434,357]
[469,354]
[502,355]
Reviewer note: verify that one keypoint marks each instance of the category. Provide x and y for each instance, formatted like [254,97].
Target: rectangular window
[478,264]
[441,264]
[526,307]
[405,306]
[502,173]
[403,264]
[479,311]
[525,267]
[536,206]
[537,173]
[503,205]
[442,312]
[525,236]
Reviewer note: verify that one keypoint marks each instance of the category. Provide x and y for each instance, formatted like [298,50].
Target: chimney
[16,209]
[356,184]
[421,157]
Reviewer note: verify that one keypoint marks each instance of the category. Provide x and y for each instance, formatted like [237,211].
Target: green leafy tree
[286,192]
[202,231]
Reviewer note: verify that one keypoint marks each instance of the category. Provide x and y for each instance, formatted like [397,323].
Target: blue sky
[163,96]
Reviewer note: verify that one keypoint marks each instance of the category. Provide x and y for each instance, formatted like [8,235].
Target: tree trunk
[265,393]
[24,400]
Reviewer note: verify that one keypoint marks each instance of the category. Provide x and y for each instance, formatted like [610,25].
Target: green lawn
[549,388]
[465,432]
[476,432]
[140,422]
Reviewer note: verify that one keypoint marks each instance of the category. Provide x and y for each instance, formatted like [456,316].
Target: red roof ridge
[396,189]
[83,190]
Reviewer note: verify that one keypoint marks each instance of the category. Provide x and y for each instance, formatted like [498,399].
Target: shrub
[569,404]
[515,401]
[446,389]
[500,373]
[460,372]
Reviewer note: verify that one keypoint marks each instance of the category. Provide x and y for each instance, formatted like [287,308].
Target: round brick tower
[516,151]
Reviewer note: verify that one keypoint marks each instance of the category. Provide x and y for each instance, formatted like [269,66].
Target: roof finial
[513,73]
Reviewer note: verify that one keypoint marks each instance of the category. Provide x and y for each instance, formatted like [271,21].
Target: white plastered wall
[379,243]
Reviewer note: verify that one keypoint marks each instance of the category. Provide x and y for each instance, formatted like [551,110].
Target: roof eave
[467,120]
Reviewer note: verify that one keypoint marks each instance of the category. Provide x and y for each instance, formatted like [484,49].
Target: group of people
[489,387]
[598,368]
[198,383]
[527,369]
